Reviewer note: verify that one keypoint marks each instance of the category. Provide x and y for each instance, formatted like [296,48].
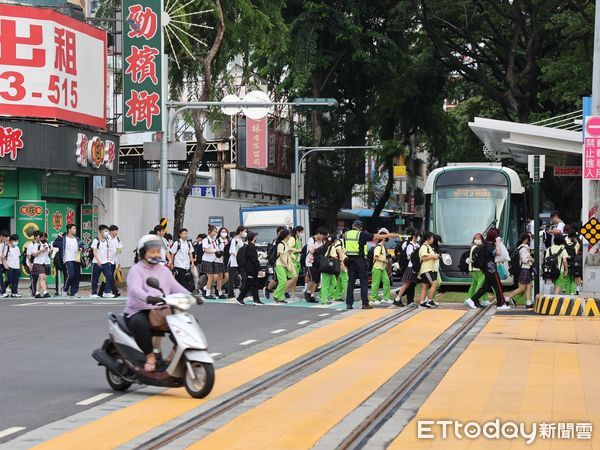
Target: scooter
[191,366]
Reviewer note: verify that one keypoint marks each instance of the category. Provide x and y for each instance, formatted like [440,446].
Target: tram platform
[568,305]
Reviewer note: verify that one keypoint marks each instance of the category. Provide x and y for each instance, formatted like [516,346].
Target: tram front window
[460,212]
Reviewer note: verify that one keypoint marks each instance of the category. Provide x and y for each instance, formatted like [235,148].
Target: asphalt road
[45,349]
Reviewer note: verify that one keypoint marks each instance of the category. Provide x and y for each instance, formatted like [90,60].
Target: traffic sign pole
[536,222]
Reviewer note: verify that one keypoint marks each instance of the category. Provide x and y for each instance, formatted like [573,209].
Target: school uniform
[379,273]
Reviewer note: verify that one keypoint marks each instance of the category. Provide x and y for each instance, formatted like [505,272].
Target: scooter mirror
[153,283]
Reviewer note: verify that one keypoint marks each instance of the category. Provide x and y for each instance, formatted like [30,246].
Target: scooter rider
[137,308]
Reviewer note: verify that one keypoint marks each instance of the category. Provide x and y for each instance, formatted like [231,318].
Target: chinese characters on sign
[95,152]
[591,149]
[30,216]
[10,142]
[204,190]
[256,143]
[45,61]
[89,223]
[142,63]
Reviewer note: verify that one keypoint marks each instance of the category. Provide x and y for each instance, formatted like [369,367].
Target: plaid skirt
[211,268]
[39,269]
[409,276]
[525,276]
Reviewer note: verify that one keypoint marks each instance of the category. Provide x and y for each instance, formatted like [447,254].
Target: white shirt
[71,249]
[236,243]
[182,251]
[531,230]
[312,244]
[44,257]
[525,256]
[559,226]
[114,250]
[208,243]
[101,254]
[30,248]
[14,256]
[2,251]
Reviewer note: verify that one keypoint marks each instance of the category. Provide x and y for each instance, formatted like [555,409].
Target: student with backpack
[27,262]
[248,260]
[271,284]
[408,260]
[99,250]
[556,265]
[427,273]
[330,268]
[41,266]
[313,254]
[524,276]
[4,247]
[341,288]
[183,259]
[484,259]
[379,273]
[477,276]
[222,261]
[233,267]
[296,245]
[71,248]
[284,268]
[573,248]
[13,265]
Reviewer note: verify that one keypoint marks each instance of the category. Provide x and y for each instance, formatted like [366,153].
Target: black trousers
[249,286]
[233,280]
[183,277]
[139,324]
[410,293]
[115,291]
[492,282]
[358,268]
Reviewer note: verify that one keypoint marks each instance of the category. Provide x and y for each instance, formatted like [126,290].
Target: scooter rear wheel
[116,382]
[200,385]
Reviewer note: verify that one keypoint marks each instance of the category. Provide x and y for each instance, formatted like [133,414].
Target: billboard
[51,66]
[256,143]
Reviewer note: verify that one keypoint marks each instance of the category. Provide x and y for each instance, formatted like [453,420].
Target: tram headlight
[446,259]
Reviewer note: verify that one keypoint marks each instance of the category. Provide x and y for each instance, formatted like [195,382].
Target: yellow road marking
[300,415]
[544,379]
[124,425]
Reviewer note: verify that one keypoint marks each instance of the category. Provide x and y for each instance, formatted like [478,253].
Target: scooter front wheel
[201,380]
[116,382]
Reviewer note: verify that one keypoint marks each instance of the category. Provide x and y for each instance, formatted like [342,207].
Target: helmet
[147,242]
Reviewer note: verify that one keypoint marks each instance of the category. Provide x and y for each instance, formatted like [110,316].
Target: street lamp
[310,150]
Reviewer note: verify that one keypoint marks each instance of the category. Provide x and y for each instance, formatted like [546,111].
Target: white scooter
[192,365]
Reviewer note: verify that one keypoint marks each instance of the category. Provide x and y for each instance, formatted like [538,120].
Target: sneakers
[46,295]
[328,302]
[504,307]
[209,296]
[109,295]
[433,304]
[259,303]
[267,293]
[287,295]
[411,305]
[94,296]
[470,303]
[425,304]
[38,295]
[349,307]
[367,307]
[16,295]
[311,299]
[285,301]
[240,301]
[529,306]
[398,303]
[307,296]
[486,303]
[6,294]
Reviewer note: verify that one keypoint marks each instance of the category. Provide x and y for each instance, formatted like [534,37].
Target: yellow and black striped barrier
[567,305]
[164,222]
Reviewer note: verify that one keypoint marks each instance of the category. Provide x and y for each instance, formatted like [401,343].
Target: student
[296,245]
[235,272]
[272,284]
[71,250]
[100,263]
[525,277]
[183,259]
[251,272]
[573,248]
[209,256]
[490,247]
[341,287]
[159,230]
[312,264]
[33,277]
[284,268]
[13,263]
[409,278]
[333,249]
[4,246]
[221,262]
[477,276]
[41,266]
[428,274]
[558,249]
[557,228]
[379,271]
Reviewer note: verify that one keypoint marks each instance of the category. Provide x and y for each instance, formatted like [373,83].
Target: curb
[567,305]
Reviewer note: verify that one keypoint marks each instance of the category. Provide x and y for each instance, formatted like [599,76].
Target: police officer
[355,242]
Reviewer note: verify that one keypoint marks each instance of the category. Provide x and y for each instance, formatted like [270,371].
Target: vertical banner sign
[30,216]
[591,149]
[142,65]
[256,143]
[58,215]
[88,229]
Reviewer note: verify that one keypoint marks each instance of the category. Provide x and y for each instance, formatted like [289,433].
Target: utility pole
[536,165]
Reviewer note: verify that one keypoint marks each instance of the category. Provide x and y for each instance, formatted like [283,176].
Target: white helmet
[147,242]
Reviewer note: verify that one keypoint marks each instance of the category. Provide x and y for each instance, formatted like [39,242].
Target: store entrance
[5,223]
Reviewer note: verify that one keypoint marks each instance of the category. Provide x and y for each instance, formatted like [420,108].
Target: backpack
[415,260]
[514,264]
[478,257]
[198,251]
[226,252]
[577,266]
[317,255]
[303,256]
[272,253]
[26,260]
[463,265]
[241,256]
[550,268]
[91,251]
[371,257]
[402,255]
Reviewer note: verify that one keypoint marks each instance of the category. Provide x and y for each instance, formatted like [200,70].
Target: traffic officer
[355,242]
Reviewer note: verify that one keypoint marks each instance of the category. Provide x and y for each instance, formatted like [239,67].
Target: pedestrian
[4,247]
[427,273]
[209,257]
[332,250]
[222,277]
[284,268]
[296,245]
[558,251]
[525,278]
[100,263]
[41,266]
[312,263]
[355,241]
[28,263]
[183,259]
[341,287]
[234,270]
[409,277]
[13,265]
[251,271]
[271,259]
[557,228]
[484,259]
[115,248]
[573,248]
[477,276]
[159,230]
[379,273]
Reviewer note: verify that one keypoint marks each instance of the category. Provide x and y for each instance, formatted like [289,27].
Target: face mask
[153,261]
[223,235]
[244,234]
[44,241]
[478,241]
[15,244]
[106,233]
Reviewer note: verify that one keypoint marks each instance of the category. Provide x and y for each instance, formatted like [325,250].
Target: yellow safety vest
[351,243]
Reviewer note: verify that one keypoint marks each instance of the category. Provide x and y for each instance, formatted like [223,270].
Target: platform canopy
[557,138]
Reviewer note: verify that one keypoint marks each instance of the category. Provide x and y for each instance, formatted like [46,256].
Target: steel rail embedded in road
[373,422]
[277,377]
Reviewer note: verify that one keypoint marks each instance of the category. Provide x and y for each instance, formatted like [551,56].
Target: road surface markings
[324,315]
[122,426]
[303,322]
[325,404]
[94,399]
[280,330]
[9,431]
[248,342]
[214,354]
[28,304]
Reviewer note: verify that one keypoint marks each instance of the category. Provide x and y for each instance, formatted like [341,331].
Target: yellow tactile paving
[520,369]
[122,426]
[299,416]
